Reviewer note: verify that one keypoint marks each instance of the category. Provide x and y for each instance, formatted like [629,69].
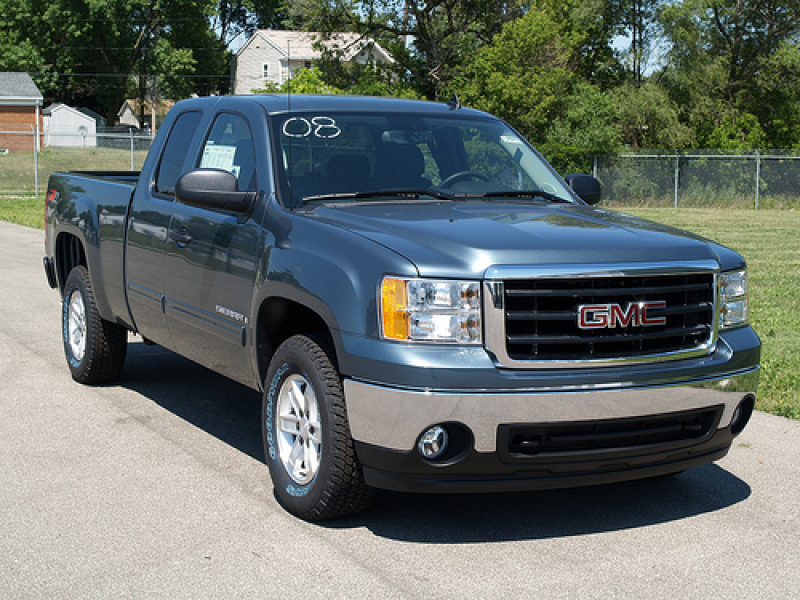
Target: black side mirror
[586,186]
[212,188]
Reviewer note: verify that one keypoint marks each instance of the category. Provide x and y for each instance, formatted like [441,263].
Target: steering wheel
[455,177]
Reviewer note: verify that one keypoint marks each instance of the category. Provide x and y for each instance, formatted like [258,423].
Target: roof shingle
[18,86]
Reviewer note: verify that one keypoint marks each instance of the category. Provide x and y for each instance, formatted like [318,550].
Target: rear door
[212,257]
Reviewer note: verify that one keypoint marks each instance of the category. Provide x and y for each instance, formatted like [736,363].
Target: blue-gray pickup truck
[425,304]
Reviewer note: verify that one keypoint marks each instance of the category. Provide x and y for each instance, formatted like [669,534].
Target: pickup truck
[423,302]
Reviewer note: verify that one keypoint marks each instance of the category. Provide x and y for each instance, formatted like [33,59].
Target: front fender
[333,273]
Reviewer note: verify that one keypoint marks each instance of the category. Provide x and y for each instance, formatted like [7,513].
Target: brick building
[20,112]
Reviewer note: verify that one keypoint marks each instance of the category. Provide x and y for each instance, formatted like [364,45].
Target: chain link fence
[705,178]
[26,162]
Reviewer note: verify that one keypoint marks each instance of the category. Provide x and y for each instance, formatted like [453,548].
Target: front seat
[401,166]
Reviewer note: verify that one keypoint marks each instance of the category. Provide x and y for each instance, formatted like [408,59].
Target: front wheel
[95,348]
[306,435]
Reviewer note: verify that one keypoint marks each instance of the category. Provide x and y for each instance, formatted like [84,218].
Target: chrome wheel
[299,433]
[95,349]
[76,325]
[304,426]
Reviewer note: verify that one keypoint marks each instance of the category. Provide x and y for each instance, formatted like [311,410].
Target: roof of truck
[285,103]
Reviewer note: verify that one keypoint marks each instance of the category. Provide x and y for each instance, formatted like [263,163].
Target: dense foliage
[578,77]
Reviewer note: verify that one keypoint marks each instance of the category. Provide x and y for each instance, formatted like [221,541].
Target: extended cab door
[148,227]
[212,258]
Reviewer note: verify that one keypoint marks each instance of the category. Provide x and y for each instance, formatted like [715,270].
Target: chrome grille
[540,316]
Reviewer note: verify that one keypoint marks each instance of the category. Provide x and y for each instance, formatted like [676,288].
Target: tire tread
[106,343]
[345,492]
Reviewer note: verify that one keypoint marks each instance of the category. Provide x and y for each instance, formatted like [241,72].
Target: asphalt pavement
[155,487]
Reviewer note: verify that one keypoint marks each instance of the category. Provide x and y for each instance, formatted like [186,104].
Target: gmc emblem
[609,316]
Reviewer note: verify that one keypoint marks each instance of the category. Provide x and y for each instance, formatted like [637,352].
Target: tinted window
[342,153]
[174,156]
[230,147]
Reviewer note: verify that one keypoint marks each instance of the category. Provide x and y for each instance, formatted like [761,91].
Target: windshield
[333,156]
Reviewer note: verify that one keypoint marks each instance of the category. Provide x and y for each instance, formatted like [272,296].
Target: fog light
[742,414]
[433,442]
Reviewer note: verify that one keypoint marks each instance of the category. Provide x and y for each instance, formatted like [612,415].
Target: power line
[93,48]
[123,75]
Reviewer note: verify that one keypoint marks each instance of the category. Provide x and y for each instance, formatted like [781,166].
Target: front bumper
[386,423]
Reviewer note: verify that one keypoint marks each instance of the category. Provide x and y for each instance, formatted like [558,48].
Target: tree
[587,127]
[523,75]
[648,119]
[236,19]
[723,55]
[637,19]
[305,81]
[96,53]
[529,72]
[428,40]
[740,32]
[775,97]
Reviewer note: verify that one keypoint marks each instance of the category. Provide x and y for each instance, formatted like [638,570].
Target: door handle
[180,237]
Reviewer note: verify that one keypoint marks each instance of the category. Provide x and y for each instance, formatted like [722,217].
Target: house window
[265,74]
[307,64]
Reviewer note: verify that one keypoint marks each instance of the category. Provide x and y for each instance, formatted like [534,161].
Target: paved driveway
[156,488]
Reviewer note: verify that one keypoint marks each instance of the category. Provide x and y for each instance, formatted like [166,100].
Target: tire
[306,435]
[95,348]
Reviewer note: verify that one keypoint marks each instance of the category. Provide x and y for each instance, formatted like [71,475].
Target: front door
[212,258]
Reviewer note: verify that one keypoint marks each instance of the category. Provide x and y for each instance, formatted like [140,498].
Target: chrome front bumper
[393,418]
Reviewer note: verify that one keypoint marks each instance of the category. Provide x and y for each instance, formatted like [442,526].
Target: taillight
[50,198]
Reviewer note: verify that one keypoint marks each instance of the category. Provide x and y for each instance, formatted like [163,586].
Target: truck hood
[463,239]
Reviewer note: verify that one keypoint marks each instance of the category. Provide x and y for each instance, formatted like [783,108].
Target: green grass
[28,211]
[17,172]
[769,241]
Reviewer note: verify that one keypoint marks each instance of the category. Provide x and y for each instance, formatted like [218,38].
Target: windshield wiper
[410,193]
[525,194]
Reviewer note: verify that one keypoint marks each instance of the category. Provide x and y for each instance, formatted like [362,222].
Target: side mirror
[212,188]
[586,186]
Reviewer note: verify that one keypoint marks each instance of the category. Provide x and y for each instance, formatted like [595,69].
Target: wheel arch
[278,319]
[70,252]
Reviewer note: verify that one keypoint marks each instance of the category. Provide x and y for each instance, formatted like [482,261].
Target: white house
[126,115]
[67,126]
[130,111]
[272,55]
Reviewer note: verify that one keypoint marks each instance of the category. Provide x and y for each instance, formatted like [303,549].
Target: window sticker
[510,139]
[219,157]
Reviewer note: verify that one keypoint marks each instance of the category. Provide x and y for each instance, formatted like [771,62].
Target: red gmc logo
[609,316]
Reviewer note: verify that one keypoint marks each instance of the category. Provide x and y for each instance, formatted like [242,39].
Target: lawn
[17,170]
[25,210]
[770,243]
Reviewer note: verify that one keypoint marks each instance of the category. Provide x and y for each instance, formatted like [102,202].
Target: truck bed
[94,204]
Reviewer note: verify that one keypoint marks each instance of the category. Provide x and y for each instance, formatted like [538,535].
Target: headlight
[428,310]
[733,299]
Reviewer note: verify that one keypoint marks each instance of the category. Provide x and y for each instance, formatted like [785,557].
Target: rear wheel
[95,349]
[306,434]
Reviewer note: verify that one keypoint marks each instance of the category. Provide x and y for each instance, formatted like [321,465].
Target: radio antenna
[289,73]
[289,117]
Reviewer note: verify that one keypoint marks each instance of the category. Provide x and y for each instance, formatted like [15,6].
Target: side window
[171,166]
[230,147]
